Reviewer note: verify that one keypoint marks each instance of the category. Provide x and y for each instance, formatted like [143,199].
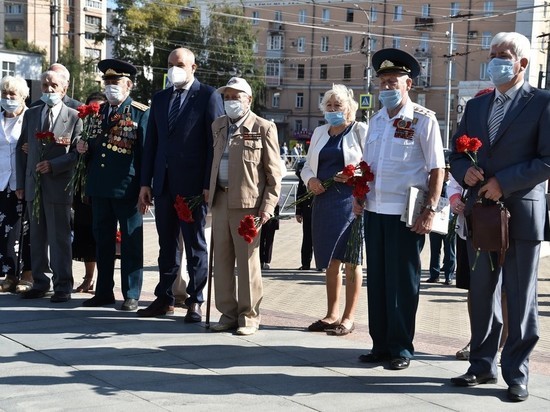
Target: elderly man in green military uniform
[114,157]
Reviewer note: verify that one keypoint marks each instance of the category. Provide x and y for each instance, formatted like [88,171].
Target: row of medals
[120,138]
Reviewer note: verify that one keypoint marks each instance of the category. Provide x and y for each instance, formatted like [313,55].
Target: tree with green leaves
[83,74]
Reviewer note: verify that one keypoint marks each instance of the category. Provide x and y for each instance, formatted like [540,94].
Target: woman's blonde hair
[345,96]
[15,84]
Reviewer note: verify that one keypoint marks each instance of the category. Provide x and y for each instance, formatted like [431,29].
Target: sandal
[8,285]
[23,286]
[321,326]
[86,287]
[340,330]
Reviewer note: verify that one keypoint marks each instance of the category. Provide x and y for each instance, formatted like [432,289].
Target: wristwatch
[431,208]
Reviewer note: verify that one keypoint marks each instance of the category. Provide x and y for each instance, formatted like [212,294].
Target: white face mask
[51,99]
[114,93]
[177,76]
[233,108]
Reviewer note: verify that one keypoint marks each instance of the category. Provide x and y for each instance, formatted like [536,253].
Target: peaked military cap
[395,61]
[114,68]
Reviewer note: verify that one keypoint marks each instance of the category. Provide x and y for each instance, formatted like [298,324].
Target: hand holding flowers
[185,205]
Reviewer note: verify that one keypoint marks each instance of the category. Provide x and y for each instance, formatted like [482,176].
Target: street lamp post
[449,78]
[367,52]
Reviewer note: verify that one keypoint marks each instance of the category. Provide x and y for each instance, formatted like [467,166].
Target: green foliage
[21,45]
[145,32]
[83,75]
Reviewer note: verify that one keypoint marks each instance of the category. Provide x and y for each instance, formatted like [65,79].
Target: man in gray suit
[514,164]
[43,173]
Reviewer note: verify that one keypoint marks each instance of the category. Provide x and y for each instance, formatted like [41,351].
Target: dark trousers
[106,213]
[393,283]
[307,241]
[449,255]
[196,252]
[267,235]
[10,228]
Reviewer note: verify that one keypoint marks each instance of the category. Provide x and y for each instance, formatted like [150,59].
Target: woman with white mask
[14,92]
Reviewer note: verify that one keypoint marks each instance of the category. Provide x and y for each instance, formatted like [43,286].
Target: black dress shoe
[156,308]
[400,363]
[469,379]
[518,393]
[129,304]
[194,314]
[432,280]
[60,297]
[33,294]
[373,358]
[98,301]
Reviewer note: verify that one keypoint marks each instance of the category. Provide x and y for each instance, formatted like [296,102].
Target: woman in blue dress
[333,146]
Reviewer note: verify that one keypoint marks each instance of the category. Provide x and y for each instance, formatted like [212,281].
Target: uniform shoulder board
[422,110]
[139,106]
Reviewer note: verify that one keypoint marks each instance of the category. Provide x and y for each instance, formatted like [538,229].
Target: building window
[486,40]
[13,8]
[14,27]
[324,44]
[94,4]
[347,71]
[373,44]
[397,13]
[301,46]
[93,54]
[255,17]
[483,71]
[424,43]
[278,16]
[326,15]
[299,100]
[93,20]
[348,40]
[275,42]
[323,72]
[349,15]
[396,42]
[425,10]
[301,71]
[89,35]
[275,99]
[298,125]
[373,14]
[302,15]
[455,8]
[8,69]
[321,95]
[421,99]
[272,69]
[488,8]
[255,48]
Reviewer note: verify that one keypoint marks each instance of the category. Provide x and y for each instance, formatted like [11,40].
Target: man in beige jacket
[245,180]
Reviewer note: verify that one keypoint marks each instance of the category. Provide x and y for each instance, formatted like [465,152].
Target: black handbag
[489,225]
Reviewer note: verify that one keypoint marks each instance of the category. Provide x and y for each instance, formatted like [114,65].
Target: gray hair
[15,84]
[59,68]
[519,44]
[57,75]
[345,96]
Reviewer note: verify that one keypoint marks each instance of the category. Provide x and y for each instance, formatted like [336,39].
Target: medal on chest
[122,136]
[404,128]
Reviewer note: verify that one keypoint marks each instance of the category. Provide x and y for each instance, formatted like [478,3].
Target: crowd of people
[199,149]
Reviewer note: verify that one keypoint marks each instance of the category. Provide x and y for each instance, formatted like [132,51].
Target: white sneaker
[247,330]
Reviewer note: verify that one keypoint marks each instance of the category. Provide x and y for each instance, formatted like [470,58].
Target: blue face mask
[51,99]
[9,105]
[390,98]
[334,118]
[500,71]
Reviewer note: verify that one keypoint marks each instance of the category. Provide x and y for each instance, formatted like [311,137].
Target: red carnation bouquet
[185,205]
[44,138]
[248,227]
[358,177]
[469,146]
[92,123]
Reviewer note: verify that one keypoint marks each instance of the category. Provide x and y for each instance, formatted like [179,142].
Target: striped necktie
[496,118]
[174,110]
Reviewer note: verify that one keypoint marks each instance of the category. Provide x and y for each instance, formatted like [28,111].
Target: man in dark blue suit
[177,159]
[513,166]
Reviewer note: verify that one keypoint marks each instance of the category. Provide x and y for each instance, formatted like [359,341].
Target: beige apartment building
[55,24]
[306,46]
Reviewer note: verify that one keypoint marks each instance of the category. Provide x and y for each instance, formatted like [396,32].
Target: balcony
[273,81]
[274,54]
[276,26]
[424,23]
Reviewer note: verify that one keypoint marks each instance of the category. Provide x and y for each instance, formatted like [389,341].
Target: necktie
[232,129]
[496,118]
[114,108]
[174,110]
[47,121]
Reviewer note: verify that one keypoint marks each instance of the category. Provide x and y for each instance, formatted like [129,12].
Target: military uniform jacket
[114,154]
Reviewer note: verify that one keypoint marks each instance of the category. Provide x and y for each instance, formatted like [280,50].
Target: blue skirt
[332,218]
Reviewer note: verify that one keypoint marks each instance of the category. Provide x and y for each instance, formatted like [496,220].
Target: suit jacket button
[102,165]
[102,154]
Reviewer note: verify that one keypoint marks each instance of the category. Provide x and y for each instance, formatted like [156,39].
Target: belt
[223,189]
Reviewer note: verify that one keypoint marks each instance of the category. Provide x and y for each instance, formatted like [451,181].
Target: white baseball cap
[237,83]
